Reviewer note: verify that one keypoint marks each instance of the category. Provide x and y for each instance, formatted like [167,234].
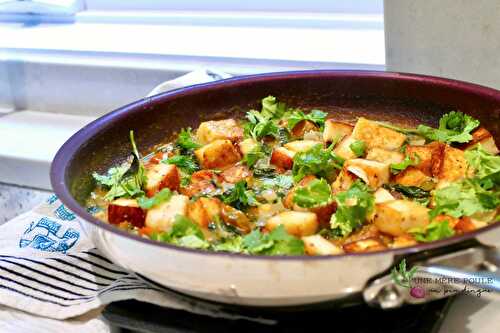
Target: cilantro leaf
[160,197]
[265,122]
[271,108]
[316,116]
[453,127]
[124,180]
[316,193]
[353,206]
[484,164]
[435,230]
[186,163]
[253,156]
[407,162]
[315,161]
[185,140]
[184,232]
[239,196]
[464,198]
[232,244]
[358,148]
[276,242]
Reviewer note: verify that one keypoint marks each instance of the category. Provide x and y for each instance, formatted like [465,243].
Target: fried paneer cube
[227,129]
[217,154]
[160,176]
[126,210]
[377,136]
[162,216]
[335,131]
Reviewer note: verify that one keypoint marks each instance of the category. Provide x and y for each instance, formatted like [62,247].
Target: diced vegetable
[296,223]
[217,154]
[126,210]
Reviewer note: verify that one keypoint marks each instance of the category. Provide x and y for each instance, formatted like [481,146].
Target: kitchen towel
[50,268]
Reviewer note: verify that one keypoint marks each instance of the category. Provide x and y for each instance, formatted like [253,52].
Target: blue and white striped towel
[49,267]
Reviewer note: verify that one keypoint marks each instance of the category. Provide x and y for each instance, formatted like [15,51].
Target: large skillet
[272,281]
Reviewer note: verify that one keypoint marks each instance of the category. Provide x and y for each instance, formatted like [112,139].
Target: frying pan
[279,281]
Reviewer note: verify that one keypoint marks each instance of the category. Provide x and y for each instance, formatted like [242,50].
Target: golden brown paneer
[317,245]
[429,157]
[227,129]
[204,210]
[282,158]
[303,127]
[412,176]
[454,165]
[162,216]
[377,136]
[343,148]
[335,131]
[385,156]
[126,210]
[296,223]
[403,241]
[343,181]
[160,176]
[301,145]
[373,173]
[398,216]
[365,245]
[236,173]
[483,136]
[382,195]
[217,154]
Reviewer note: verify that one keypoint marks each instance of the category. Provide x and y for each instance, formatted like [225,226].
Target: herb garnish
[316,193]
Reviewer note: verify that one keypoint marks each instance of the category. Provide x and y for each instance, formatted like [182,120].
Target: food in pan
[284,181]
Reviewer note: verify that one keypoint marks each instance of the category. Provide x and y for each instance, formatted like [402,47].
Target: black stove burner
[134,316]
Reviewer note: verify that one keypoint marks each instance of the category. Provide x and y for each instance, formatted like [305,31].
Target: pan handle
[440,278]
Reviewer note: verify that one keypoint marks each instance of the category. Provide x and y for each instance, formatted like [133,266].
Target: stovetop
[134,316]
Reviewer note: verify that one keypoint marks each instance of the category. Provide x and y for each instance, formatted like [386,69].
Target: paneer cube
[204,210]
[160,176]
[282,158]
[398,216]
[302,127]
[343,148]
[217,154]
[248,145]
[162,216]
[454,165]
[227,129]
[382,195]
[335,131]
[296,223]
[236,173]
[365,245]
[429,157]
[385,156]
[126,210]
[301,145]
[377,136]
[373,173]
[317,245]
[412,176]
[343,181]
[483,136]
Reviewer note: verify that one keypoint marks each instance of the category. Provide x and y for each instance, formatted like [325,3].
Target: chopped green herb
[253,156]
[453,127]
[464,198]
[277,242]
[316,161]
[412,192]
[184,232]
[358,147]
[160,197]
[316,116]
[239,196]
[185,140]
[485,165]
[186,163]
[435,230]
[353,206]
[407,162]
[265,122]
[316,193]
